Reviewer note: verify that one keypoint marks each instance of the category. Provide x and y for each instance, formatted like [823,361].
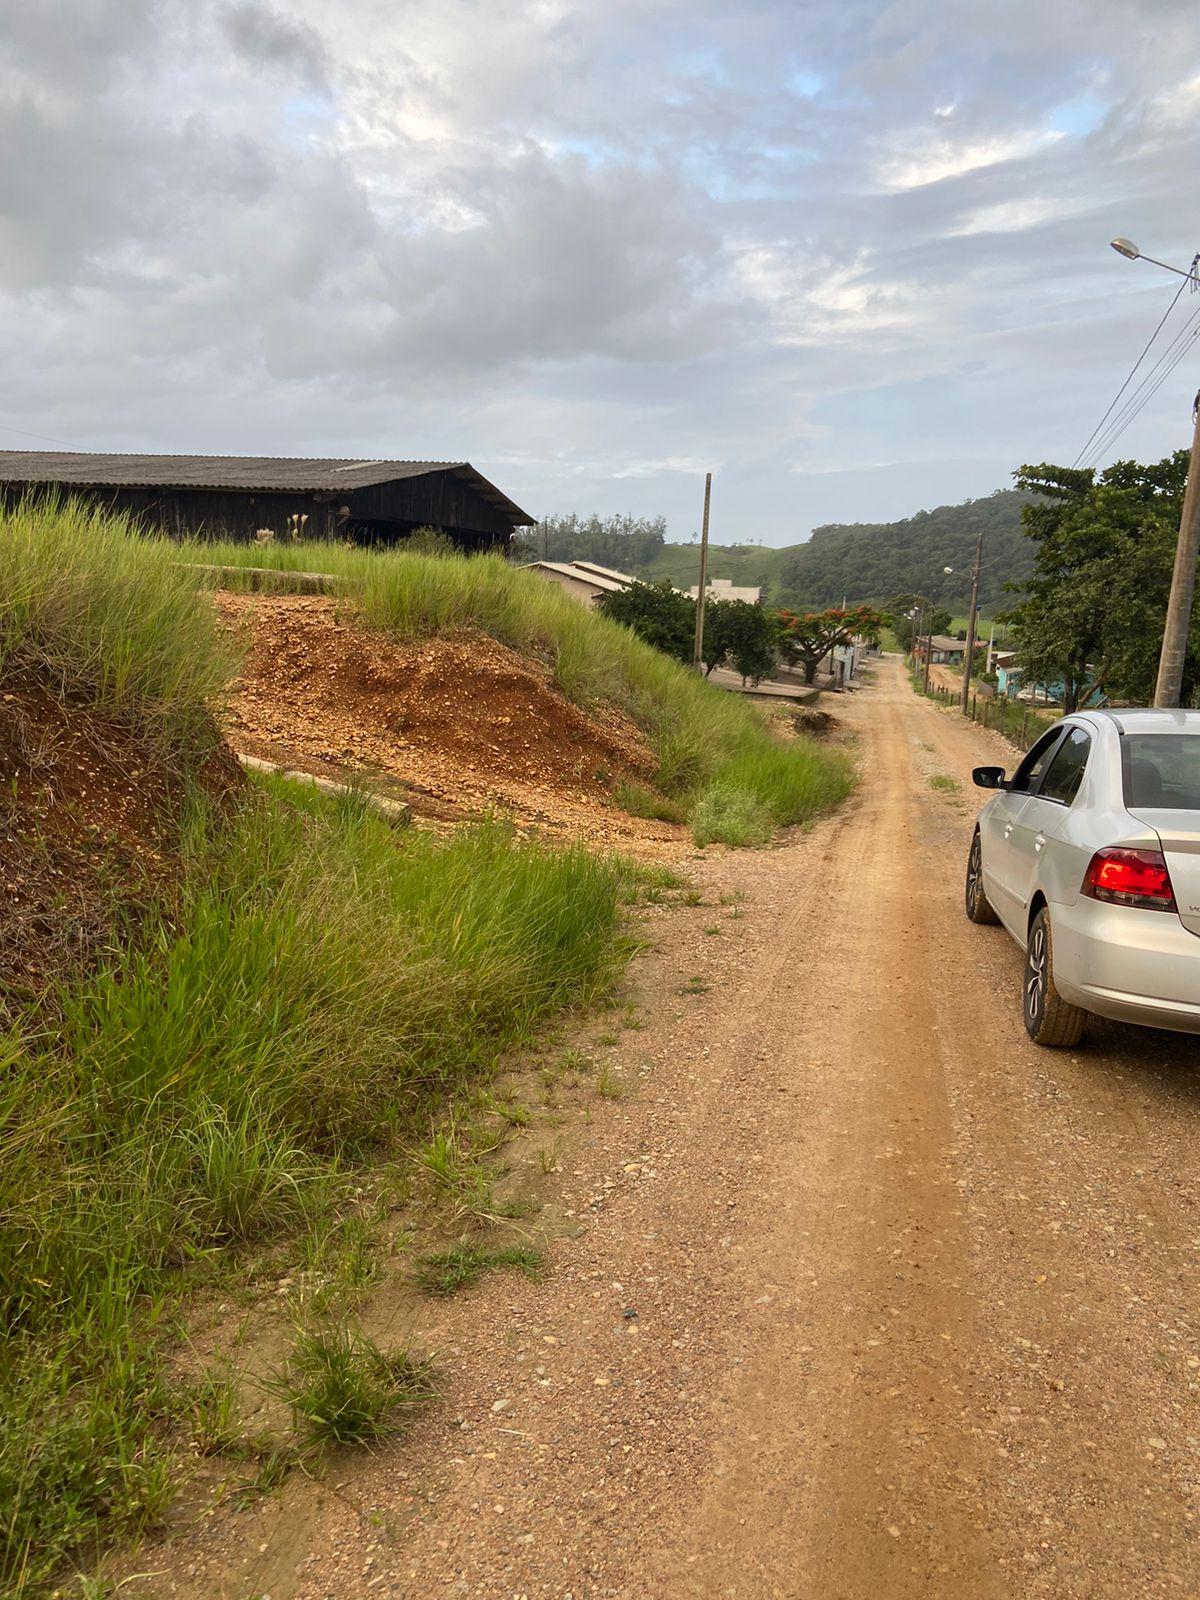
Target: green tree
[623,542]
[740,633]
[807,638]
[1095,605]
[657,613]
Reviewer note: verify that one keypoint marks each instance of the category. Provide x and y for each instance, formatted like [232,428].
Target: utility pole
[1183,583]
[698,653]
[969,658]
[915,640]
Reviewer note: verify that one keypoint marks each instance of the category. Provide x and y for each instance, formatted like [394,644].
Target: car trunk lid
[1179,834]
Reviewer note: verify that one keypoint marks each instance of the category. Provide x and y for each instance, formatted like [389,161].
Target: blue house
[1009,683]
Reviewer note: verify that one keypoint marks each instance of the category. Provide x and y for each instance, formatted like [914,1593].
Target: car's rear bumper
[1131,965]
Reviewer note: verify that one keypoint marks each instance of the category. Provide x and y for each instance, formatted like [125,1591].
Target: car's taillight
[1130,878]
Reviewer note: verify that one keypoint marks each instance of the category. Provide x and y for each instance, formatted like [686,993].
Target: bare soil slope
[86,810]
[463,721]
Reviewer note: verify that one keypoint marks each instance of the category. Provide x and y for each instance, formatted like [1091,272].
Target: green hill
[873,560]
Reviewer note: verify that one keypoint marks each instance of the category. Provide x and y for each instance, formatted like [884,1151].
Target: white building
[725,589]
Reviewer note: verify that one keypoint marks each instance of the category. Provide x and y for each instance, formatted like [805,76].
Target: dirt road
[868,1297]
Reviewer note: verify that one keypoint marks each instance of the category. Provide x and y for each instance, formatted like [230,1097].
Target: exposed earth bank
[867,1296]
[461,723]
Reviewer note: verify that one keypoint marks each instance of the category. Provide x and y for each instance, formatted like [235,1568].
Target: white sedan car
[1090,857]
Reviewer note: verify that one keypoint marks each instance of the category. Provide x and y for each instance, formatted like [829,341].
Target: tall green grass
[315,984]
[709,743]
[300,993]
[108,619]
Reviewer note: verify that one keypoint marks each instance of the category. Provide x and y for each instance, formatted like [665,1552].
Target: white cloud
[1015,216]
[932,159]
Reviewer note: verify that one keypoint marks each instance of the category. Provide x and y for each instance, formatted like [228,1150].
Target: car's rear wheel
[1049,1019]
[979,907]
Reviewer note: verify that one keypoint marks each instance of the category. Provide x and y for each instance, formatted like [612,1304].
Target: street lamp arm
[1127,248]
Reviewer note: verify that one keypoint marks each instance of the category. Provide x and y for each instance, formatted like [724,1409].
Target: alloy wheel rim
[1035,982]
[973,872]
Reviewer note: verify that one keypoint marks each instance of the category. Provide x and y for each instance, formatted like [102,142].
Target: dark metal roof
[85,469]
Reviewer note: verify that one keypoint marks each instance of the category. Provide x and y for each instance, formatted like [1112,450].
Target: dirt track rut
[915,1301]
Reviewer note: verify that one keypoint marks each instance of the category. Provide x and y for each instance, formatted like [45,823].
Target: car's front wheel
[1049,1019]
[978,906]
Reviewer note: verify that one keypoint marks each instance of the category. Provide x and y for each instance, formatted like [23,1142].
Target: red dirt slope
[463,721]
[86,831]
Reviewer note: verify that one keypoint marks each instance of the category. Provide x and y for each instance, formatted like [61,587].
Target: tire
[1049,1019]
[978,906]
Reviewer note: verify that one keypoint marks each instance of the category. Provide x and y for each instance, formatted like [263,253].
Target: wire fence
[1020,723]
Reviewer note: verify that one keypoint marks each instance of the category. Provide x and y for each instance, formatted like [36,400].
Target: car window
[1035,763]
[1161,770]
[1065,773]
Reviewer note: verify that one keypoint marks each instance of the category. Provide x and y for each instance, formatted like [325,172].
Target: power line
[25,434]
[1150,385]
[1132,371]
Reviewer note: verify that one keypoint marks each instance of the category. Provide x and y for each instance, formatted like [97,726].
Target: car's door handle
[1039,841]
[1007,829]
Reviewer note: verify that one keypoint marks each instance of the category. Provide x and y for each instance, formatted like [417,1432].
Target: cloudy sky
[851,255]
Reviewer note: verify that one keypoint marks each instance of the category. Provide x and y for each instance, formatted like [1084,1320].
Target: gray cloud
[852,256]
[264,37]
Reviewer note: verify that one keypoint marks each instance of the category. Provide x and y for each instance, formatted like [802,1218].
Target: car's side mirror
[988,777]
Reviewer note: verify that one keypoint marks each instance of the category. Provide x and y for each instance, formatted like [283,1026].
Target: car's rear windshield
[1161,770]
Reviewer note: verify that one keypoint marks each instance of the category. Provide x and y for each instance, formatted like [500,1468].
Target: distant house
[584,581]
[725,589]
[1010,682]
[942,649]
[232,497]
[1008,673]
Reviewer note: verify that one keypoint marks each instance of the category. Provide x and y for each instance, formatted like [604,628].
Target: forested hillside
[874,560]
[856,561]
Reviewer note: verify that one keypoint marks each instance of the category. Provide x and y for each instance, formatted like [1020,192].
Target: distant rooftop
[88,469]
[603,578]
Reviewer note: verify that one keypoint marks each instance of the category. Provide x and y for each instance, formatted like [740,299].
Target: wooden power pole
[969,659]
[1183,583]
[698,652]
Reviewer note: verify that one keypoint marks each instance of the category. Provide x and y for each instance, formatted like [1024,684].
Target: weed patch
[343,1389]
[608,1085]
[445,1272]
[639,801]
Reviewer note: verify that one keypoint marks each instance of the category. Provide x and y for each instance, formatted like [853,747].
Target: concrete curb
[393,810]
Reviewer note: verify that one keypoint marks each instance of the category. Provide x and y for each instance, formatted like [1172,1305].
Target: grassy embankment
[296,994]
[717,761]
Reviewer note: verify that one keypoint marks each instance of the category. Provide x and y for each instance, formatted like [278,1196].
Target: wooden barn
[232,497]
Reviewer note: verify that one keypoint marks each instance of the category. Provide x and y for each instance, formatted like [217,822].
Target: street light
[1169,686]
[1127,248]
